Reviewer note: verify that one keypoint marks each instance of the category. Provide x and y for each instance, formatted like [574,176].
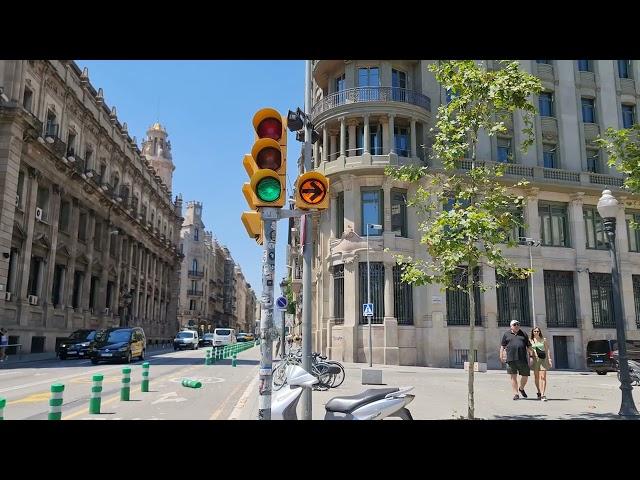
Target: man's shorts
[518,367]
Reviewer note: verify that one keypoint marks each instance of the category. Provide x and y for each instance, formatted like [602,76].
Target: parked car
[206,340]
[241,337]
[224,336]
[602,355]
[250,337]
[186,339]
[76,345]
[118,344]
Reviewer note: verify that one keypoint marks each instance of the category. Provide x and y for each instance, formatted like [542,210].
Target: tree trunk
[472,325]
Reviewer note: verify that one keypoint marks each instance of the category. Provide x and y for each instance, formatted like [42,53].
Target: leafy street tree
[623,147]
[481,213]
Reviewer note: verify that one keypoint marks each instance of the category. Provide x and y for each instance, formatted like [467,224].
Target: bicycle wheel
[338,378]
[279,376]
[323,373]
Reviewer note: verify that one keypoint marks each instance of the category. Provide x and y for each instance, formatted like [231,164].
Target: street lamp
[531,243]
[377,227]
[607,208]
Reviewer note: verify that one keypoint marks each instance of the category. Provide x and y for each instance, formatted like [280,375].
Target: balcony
[196,273]
[52,139]
[194,293]
[370,94]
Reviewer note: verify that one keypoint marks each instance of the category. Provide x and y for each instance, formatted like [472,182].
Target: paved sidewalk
[441,393]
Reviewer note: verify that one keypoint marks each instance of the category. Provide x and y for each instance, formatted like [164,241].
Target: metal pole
[533,301]
[369,299]
[306,260]
[627,407]
[269,217]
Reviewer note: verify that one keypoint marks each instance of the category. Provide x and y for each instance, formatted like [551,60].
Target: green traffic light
[268,189]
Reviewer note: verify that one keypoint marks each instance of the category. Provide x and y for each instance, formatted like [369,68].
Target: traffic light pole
[270,217]
[306,250]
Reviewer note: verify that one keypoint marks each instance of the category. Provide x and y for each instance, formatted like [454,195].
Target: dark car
[602,355]
[76,345]
[206,340]
[121,344]
[242,337]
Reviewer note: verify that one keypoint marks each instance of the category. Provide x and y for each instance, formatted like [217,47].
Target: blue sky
[207,107]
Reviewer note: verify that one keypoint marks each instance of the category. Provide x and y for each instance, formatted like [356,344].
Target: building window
[399,212]
[602,300]
[109,298]
[593,160]
[340,83]
[458,300]
[51,127]
[19,198]
[633,234]
[584,66]
[88,155]
[71,143]
[513,301]
[338,294]
[399,84]
[57,290]
[113,239]
[192,304]
[34,275]
[588,110]
[93,292]
[504,150]
[518,231]
[369,77]
[339,214]
[78,277]
[550,155]
[636,297]
[624,68]
[543,62]
[554,224]
[377,291]
[375,139]
[103,174]
[97,236]
[27,99]
[545,102]
[42,202]
[196,235]
[401,138]
[461,355]
[372,210]
[628,116]
[402,298]
[82,227]
[596,237]
[560,299]
[194,265]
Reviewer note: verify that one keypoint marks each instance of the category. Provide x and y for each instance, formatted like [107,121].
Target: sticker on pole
[367,309]
[282,303]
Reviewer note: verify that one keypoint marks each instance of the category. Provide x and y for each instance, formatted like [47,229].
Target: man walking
[515,350]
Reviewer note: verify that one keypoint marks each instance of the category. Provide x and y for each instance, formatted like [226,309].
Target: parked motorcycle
[634,372]
[372,404]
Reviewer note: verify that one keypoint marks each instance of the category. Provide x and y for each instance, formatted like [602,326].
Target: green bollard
[187,382]
[96,393]
[55,402]
[207,360]
[126,381]
[145,377]
[3,402]
[233,362]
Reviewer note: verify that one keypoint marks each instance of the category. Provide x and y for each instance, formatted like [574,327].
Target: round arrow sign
[312,191]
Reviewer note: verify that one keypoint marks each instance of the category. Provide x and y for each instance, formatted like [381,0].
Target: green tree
[482,212]
[623,148]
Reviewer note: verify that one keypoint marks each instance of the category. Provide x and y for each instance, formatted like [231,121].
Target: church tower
[157,150]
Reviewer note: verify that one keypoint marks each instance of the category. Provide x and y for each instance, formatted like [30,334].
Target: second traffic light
[267,164]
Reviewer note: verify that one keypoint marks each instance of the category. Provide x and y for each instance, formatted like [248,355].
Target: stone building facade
[88,229]
[371,114]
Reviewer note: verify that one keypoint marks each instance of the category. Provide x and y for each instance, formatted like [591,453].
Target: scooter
[372,404]
[634,372]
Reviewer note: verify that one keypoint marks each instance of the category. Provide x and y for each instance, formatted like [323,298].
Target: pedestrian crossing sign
[367,309]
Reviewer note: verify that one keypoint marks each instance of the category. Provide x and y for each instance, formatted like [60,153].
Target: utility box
[371,376]
[477,367]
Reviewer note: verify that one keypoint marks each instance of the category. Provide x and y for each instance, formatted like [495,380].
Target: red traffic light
[270,128]
[267,154]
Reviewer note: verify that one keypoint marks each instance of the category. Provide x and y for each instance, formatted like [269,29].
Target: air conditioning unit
[71,158]
[33,300]
[7,296]
[107,311]
[38,213]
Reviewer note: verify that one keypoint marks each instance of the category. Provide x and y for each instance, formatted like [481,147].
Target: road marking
[165,398]
[237,411]
[217,413]
[202,380]
[10,373]
[36,397]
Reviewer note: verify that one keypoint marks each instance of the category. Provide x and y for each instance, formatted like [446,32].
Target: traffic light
[254,225]
[312,191]
[267,164]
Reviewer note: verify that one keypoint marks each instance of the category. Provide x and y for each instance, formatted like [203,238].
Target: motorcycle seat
[350,403]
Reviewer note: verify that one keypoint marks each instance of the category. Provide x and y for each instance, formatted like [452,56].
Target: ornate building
[89,231]
[375,113]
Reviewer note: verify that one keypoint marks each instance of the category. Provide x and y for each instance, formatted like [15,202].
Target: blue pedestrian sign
[367,309]
[282,303]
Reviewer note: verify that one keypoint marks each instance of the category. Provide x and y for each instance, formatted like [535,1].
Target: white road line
[237,411]
[10,373]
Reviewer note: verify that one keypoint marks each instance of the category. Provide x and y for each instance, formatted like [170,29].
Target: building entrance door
[560,352]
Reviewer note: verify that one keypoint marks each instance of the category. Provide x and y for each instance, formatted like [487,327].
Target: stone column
[385,135]
[119,252]
[352,138]
[334,147]
[351,310]
[333,215]
[343,137]
[74,215]
[136,298]
[489,310]
[414,141]
[367,137]
[30,215]
[392,144]
[86,287]
[532,216]
[46,292]
[325,144]
[104,275]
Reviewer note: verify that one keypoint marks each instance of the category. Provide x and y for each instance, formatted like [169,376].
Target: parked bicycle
[330,374]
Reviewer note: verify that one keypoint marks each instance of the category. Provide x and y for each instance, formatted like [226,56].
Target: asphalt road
[26,387]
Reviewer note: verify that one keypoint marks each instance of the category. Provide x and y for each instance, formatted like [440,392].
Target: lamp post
[607,208]
[283,286]
[370,226]
[531,243]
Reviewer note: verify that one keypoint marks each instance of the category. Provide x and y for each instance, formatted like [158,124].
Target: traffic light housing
[312,191]
[254,225]
[267,164]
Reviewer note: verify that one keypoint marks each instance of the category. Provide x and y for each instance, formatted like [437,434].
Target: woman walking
[541,361]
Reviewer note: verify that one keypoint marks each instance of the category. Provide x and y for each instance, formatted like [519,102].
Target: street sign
[312,191]
[282,303]
[288,319]
[367,309]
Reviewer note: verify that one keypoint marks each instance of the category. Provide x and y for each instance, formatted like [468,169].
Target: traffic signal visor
[254,225]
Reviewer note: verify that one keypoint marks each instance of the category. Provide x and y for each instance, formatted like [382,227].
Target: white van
[224,336]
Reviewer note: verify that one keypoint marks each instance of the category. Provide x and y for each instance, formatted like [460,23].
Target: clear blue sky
[207,107]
